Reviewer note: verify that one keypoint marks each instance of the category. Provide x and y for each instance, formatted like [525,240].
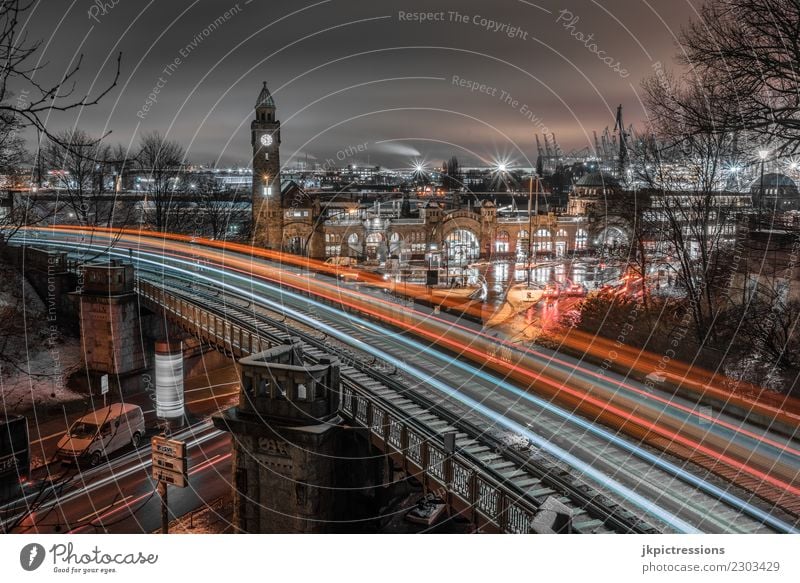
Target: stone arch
[375,246]
[353,245]
[297,237]
[502,242]
[612,236]
[465,223]
[461,222]
[462,246]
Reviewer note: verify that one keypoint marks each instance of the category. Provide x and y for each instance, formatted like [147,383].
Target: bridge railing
[204,323]
[458,478]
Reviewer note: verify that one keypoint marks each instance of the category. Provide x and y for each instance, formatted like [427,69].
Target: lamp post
[763,155]
[446,257]
[530,221]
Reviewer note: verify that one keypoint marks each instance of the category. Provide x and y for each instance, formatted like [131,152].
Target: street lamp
[763,155]
[446,258]
[531,210]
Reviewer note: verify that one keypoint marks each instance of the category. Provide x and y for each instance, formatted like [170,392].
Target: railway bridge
[478,477]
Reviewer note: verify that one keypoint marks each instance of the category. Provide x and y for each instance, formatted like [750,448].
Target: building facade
[389,224]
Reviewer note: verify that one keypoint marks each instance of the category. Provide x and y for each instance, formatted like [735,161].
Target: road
[117,496]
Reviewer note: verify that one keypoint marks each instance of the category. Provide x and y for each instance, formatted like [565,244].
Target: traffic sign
[178,479]
[168,447]
[170,464]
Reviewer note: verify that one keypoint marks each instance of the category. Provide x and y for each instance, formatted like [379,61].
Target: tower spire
[265,98]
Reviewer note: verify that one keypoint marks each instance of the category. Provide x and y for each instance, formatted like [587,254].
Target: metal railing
[458,478]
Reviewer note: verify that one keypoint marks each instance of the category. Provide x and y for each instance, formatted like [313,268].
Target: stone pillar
[316,243]
[286,443]
[109,319]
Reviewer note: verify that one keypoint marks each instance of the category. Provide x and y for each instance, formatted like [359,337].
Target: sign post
[170,466]
[104,388]
[162,492]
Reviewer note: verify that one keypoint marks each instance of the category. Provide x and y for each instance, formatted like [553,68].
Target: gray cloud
[346,72]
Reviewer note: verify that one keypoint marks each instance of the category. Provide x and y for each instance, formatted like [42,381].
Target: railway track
[707,513]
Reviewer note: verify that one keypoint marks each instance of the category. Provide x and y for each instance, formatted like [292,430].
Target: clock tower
[265,136]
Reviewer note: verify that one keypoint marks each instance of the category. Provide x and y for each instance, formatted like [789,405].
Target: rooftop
[265,98]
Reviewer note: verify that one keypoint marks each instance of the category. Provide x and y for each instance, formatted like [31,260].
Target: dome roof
[775,180]
[265,98]
[598,179]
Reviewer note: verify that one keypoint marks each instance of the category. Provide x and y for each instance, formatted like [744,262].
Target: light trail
[555,450]
[520,393]
[603,405]
[698,380]
[566,367]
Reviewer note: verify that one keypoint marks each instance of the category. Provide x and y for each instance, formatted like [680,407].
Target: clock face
[266,139]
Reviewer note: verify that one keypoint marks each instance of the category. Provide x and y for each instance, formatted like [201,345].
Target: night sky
[346,74]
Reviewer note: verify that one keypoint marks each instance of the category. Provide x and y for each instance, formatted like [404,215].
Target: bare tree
[770,324]
[25,98]
[632,213]
[748,51]
[220,212]
[12,148]
[72,157]
[683,163]
[161,162]
[451,174]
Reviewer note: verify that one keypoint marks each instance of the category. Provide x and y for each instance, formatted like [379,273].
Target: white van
[101,433]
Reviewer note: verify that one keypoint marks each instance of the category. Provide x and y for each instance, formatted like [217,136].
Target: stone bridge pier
[118,335]
[288,443]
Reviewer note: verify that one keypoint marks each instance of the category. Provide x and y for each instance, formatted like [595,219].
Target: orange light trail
[423,329]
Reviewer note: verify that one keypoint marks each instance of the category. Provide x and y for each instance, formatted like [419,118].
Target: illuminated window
[541,241]
[501,242]
[522,243]
[581,238]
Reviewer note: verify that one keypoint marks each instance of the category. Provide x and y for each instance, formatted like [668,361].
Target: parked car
[101,433]
[551,292]
[575,290]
